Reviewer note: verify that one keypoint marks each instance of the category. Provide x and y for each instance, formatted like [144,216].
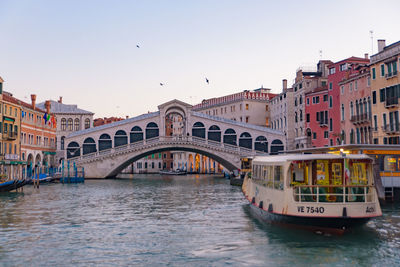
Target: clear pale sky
[86,50]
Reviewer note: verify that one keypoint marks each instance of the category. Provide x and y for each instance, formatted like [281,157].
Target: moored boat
[318,191]
[172,172]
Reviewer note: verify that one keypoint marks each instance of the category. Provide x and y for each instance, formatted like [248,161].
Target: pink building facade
[337,73]
[316,110]
[355,106]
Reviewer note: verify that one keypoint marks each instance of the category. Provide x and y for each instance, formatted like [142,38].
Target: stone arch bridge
[106,150]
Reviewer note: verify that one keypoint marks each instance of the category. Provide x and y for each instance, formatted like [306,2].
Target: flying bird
[161,84]
[137,46]
[207,81]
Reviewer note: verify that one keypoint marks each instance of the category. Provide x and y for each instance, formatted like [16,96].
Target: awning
[9,119]
[12,162]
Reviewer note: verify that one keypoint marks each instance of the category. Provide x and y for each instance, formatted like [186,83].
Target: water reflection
[160,220]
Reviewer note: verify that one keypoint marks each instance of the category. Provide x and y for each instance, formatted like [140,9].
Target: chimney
[47,106]
[284,84]
[33,98]
[60,100]
[366,55]
[381,45]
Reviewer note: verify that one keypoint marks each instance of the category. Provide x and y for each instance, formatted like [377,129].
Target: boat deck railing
[334,193]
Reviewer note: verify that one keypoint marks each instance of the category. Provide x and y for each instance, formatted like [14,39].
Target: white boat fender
[261,204]
[270,208]
[253,200]
[344,212]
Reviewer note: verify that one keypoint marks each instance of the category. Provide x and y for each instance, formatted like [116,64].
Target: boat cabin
[317,177]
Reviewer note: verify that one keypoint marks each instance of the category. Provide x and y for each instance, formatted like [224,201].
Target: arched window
[136,134]
[89,146]
[295,117]
[245,140]
[87,123]
[357,111]
[301,115]
[70,124]
[352,136]
[358,135]
[198,130]
[351,109]
[105,142]
[120,138]
[214,133]
[63,124]
[301,100]
[73,150]
[151,130]
[261,144]
[295,101]
[77,128]
[276,146]
[62,142]
[230,137]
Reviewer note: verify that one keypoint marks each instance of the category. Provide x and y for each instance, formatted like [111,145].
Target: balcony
[10,136]
[391,129]
[360,118]
[323,123]
[392,102]
[391,74]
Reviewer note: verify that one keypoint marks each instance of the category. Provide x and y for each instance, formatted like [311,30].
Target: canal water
[173,221]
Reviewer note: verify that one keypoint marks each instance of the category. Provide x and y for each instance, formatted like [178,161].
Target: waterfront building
[105,120]
[337,73]
[247,106]
[38,136]
[10,126]
[316,117]
[385,87]
[355,106]
[307,79]
[69,119]
[282,113]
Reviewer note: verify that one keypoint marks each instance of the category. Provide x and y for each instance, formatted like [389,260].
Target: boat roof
[294,157]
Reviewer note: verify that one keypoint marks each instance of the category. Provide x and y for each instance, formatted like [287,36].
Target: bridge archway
[245,140]
[276,146]
[220,159]
[105,142]
[214,133]
[89,146]
[152,130]
[230,137]
[136,134]
[120,138]
[73,150]
[261,144]
[199,130]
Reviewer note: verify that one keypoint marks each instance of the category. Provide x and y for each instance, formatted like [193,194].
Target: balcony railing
[323,123]
[391,128]
[391,74]
[360,118]
[392,101]
[10,135]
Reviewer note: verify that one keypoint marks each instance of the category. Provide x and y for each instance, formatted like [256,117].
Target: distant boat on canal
[323,192]
[172,172]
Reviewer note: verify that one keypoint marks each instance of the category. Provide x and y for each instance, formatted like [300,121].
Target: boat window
[278,178]
[322,172]
[337,173]
[358,173]
[389,163]
[299,172]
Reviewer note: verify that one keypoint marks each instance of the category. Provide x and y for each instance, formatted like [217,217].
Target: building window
[376,142]
[373,74]
[295,102]
[351,87]
[342,112]
[373,97]
[330,86]
[375,123]
[300,100]
[247,106]
[332,71]
[326,134]
[77,125]
[342,89]
[369,81]
[63,124]
[330,101]
[316,99]
[323,83]
[355,85]
[70,125]
[314,135]
[247,118]
[87,124]
[382,94]
[325,98]
[308,101]
[343,67]
[301,115]
[330,124]
[308,117]
[382,70]
[266,107]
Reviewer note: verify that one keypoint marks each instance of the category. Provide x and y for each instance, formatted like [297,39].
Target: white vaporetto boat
[321,191]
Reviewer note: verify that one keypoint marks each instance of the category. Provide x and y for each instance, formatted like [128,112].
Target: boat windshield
[332,180]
